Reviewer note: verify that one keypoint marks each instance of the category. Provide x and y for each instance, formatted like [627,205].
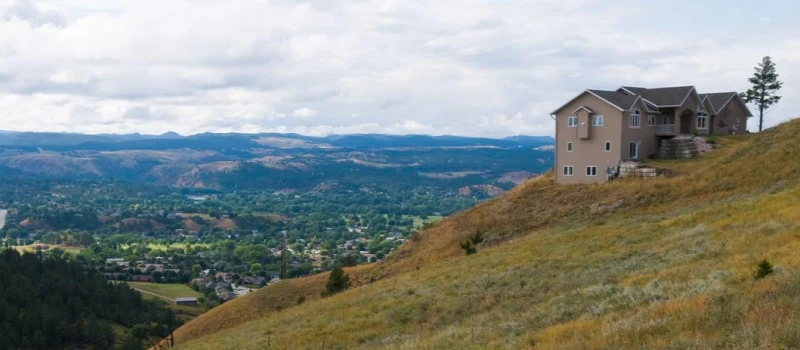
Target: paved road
[3,214]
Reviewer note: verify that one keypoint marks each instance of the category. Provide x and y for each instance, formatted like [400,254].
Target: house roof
[618,99]
[718,100]
[614,98]
[583,107]
[625,98]
[661,97]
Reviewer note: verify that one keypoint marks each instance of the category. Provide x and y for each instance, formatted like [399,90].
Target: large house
[598,129]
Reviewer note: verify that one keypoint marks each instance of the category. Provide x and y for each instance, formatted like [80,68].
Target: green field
[418,221]
[32,248]
[171,291]
[164,247]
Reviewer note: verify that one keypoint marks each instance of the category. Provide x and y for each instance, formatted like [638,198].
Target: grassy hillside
[663,263]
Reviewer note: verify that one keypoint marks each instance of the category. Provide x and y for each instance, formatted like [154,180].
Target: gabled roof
[583,107]
[616,99]
[667,96]
[719,100]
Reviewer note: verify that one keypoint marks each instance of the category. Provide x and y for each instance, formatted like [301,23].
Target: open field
[32,248]
[164,247]
[664,263]
[419,222]
[170,291]
[183,312]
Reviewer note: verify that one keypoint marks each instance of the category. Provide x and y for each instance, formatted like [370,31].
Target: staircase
[681,146]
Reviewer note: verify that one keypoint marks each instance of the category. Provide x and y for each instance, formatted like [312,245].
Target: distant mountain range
[275,161]
[227,140]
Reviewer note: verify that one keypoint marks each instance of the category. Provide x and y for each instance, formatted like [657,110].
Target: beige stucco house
[598,129]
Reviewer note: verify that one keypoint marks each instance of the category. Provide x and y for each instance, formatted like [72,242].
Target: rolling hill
[273,161]
[642,264]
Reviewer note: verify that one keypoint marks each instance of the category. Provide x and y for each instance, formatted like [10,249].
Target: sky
[458,67]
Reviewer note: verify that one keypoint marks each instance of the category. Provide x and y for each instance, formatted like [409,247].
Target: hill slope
[663,263]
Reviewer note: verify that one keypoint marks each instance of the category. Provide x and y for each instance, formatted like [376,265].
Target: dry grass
[663,263]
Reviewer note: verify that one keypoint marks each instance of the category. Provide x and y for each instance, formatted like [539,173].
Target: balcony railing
[665,129]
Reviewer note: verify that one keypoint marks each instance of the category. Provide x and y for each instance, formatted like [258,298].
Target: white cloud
[305,112]
[465,67]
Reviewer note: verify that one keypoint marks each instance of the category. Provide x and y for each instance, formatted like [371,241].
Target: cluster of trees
[52,303]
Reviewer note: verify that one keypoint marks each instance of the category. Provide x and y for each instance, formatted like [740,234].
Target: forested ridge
[52,303]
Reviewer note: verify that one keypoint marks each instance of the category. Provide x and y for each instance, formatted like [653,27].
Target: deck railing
[665,129]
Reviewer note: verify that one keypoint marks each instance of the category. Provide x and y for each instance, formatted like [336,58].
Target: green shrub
[764,268]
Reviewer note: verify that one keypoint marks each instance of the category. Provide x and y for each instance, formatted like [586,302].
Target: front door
[686,122]
[634,151]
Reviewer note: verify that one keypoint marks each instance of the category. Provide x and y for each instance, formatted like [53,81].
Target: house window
[608,146]
[736,124]
[634,150]
[568,170]
[591,170]
[651,120]
[635,119]
[569,146]
[572,121]
[702,120]
[597,120]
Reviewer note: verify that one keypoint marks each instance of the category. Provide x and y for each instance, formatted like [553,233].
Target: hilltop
[661,263]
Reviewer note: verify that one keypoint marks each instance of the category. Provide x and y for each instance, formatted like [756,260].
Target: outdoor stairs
[681,146]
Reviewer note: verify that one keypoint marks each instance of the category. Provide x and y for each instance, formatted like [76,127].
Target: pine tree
[337,282]
[765,86]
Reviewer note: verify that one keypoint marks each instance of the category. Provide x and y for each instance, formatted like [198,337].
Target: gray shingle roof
[667,96]
[619,99]
[718,99]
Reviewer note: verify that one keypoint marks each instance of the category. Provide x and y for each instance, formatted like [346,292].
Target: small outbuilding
[188,301]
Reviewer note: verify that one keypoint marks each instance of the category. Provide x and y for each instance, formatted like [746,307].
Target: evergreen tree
[765,86]
[338,281]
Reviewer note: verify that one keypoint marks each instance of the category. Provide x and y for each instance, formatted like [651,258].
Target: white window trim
[571,170]
[651,120]
[570,119]
[599,117]
[591,167]
[638,118]
[607,146]
[570,146]
[702,115]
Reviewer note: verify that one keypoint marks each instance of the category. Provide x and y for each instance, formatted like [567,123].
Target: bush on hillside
[764,268]
[337,282]
[471,245]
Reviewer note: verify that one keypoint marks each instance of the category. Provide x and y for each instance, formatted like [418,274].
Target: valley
[208,221]
[668,262]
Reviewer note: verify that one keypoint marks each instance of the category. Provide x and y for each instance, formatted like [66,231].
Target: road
[3,214]
[154,294]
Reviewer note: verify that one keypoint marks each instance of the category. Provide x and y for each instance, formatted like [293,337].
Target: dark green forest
[52,303]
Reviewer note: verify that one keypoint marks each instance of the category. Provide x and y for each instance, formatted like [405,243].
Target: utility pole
[171,334]
[283,257]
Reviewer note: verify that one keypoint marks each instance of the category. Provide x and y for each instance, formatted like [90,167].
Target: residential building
[598,129]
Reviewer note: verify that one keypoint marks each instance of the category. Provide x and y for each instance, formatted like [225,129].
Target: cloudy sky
[488,68]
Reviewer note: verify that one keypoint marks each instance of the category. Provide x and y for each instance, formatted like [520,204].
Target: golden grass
[643,264]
